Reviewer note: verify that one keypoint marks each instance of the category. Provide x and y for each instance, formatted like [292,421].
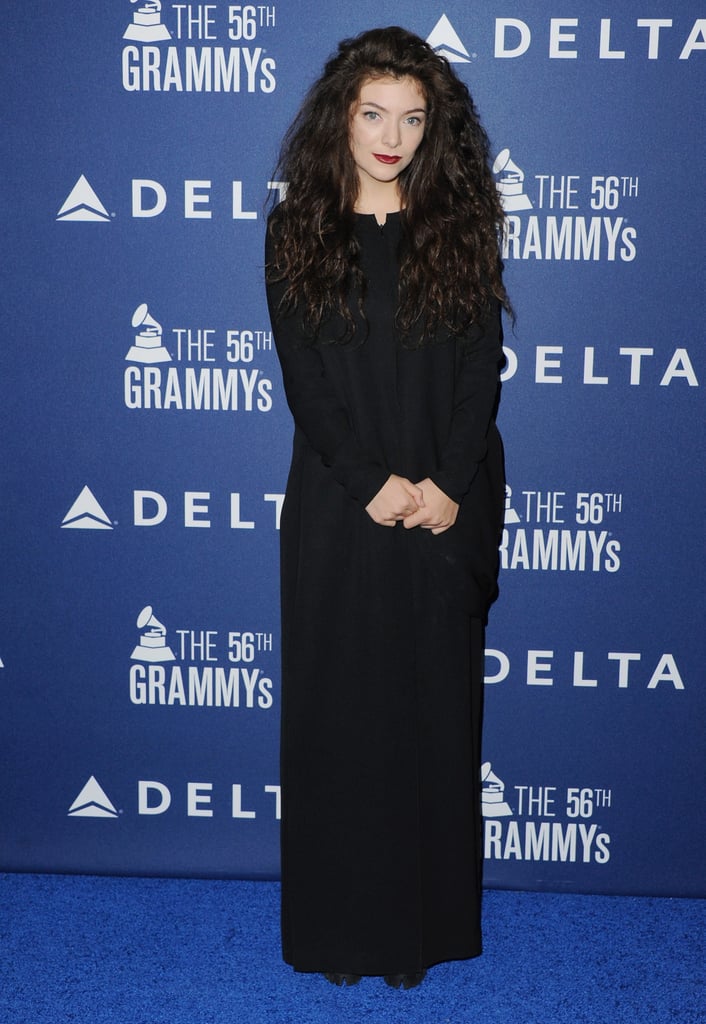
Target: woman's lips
[384,159]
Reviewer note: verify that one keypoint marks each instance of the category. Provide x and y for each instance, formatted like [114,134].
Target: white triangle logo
[444,40]
[86,514]
[82,203]
[92,802]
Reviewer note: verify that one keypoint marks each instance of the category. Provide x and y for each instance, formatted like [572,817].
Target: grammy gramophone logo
[152,645]
[147,344]
[147,24]
[510,183]
[493,803]
[511,516]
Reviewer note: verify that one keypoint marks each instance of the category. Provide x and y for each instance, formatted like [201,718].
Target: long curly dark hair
[450,265]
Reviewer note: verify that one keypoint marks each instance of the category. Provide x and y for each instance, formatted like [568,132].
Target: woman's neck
[378,199]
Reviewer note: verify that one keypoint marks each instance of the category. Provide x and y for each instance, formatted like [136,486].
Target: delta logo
[445,41]
[155,798]
[82,204]
[86,514]
[151,508]
[574,38]
[148,199]
[92,802]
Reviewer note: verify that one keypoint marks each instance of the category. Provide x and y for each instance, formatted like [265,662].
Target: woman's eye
[370,115]
[414,121]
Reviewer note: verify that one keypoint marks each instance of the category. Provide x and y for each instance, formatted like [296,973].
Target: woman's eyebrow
[414,110]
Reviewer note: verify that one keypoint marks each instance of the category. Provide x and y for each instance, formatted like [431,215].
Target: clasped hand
[423,504]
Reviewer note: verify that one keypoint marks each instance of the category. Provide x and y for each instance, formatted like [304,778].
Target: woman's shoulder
[276,216]
[275,227]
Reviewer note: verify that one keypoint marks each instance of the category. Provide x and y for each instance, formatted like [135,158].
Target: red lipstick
[384,159]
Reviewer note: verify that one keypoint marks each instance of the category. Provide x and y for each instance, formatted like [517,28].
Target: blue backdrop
[146,437]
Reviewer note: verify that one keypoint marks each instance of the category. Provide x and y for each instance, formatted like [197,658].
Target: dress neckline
[394,214]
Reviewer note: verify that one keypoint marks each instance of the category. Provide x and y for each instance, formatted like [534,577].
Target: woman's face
[387,126]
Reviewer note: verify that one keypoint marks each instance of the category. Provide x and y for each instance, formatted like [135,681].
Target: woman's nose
[391,134]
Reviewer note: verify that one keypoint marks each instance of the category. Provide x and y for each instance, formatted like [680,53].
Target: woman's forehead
[386,89]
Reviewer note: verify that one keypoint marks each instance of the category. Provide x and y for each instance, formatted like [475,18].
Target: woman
[384,291]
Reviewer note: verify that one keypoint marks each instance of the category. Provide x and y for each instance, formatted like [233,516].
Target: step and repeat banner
[145,436]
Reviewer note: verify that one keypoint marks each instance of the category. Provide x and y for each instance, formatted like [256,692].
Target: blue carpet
[173,951]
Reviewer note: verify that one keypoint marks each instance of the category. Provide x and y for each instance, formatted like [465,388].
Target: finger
[416,493]
[419,487]
[407,509]
[416,519]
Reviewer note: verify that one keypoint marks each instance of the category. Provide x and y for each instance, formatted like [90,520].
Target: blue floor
[171,951]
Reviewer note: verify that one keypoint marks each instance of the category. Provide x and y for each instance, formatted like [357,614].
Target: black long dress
[382,636]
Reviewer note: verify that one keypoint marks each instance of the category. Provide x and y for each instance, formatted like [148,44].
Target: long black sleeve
[475,397]
[316,409]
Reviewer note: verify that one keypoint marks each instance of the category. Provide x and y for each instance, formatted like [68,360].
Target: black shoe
[342,979]
[405,980]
